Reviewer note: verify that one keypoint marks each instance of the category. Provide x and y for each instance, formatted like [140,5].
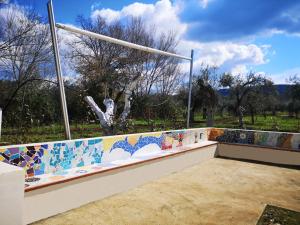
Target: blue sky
[237,35]
[66,11]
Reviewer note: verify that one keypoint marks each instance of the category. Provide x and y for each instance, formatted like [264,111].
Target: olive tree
[111,73]
[240,86]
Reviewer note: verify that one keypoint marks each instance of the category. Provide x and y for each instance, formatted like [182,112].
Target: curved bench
[46,199]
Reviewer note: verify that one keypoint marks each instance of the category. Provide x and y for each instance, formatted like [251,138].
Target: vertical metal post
[190,89]
[0,122]
[58,70]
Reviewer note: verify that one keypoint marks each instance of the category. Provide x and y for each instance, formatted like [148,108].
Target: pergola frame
[53,27]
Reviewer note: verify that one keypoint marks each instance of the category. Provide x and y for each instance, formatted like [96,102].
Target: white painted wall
[11,194]
[259,154]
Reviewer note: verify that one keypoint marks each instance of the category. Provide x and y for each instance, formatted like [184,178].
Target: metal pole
[190,89]
[0,122]
[58,70]
[118,41]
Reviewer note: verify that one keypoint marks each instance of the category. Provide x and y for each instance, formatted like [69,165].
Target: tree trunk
[204,113]
[210,118]
[105,119]
[252,116]
[192,115]
[222,112]
[241,118]
[265,114]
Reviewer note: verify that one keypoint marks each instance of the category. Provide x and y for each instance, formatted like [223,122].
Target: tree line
[246,94]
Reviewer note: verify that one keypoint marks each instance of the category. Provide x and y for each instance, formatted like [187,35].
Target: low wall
[261,154]
[42,203]
[276,140]
[53,157]
[11,194]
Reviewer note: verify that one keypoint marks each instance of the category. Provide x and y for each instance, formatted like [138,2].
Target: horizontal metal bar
[119,42]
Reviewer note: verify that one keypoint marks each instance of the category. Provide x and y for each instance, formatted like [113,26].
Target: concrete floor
[218,191]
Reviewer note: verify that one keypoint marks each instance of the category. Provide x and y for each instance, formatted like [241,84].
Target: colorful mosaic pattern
[49,178]
[57,157]
[140,143]
[175,139]
[289,141]
[53,157]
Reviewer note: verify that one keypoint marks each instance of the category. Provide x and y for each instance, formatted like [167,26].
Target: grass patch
[55,132]
[280,122]
[273,215]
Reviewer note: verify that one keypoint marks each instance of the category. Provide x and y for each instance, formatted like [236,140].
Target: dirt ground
[218,191]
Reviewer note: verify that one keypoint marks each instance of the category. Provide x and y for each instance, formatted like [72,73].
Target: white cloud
[4,1]
[13,21]
[95,6]
[239,69]
[228,56]
[204,3]
[109,15]
[66,38]
[163,15]
[67,42]
[15,12]
[283,77]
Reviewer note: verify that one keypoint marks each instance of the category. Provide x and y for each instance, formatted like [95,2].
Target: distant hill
[224,91]
[281,88]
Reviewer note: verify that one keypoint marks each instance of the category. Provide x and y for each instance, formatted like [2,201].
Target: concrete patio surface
[217,191]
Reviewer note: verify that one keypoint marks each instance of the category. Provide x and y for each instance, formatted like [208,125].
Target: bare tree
[15,23]
[25,49]
[161,73]
[113,72]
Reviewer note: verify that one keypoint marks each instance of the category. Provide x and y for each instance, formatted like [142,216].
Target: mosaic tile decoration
[46,179]
[282,140]
[45,163]
[175,139]
[57,157]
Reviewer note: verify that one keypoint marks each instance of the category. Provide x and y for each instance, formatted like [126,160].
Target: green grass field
[274,123]
[55,132]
